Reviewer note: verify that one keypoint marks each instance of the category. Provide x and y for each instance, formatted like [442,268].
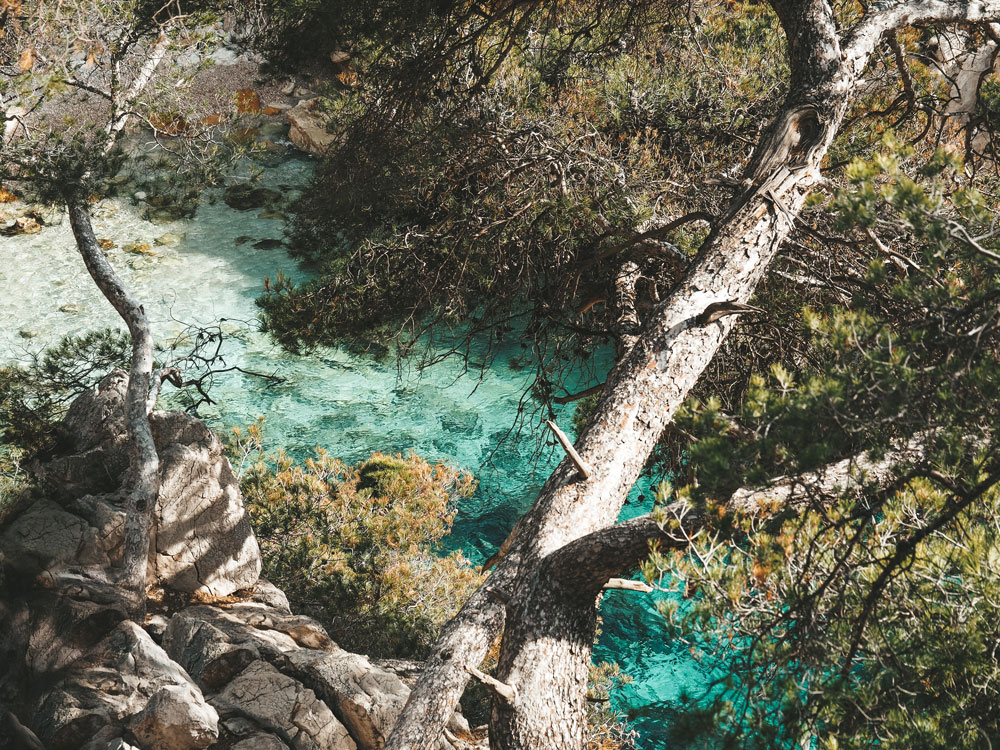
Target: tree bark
[549,629]
[142,484]
[560,606]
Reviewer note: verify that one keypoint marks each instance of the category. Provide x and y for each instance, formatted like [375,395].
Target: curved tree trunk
[142,484]
[547,627]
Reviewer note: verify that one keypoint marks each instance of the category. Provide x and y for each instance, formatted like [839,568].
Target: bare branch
[625,584]
[507,692]
[581,466]
[866,35]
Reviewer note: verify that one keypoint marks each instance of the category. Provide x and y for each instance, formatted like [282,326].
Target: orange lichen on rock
[247,102]
[168,124]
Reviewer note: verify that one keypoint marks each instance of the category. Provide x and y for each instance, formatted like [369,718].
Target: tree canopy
[628,186]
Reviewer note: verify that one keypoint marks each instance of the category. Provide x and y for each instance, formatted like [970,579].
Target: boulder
[214,645]
[204,541]
[266,593]
[260,741]
[176,717]
[198,638]
[244,197]
[42,536]
[367,699]
[285,706]
[307,128]
[65,626]
[97,416]
[114,680]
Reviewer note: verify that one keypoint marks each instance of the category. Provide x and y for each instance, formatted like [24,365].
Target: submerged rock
[170,238]
[22,225]
[247,197]
[269,244]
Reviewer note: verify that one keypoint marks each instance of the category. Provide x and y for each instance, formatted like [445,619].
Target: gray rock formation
[125,681]
[278,702]
[203,539]
[243,672]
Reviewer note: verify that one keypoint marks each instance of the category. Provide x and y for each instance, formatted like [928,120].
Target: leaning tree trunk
[549,629]
[142,483]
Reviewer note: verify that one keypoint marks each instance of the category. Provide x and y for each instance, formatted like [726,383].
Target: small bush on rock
[355,546]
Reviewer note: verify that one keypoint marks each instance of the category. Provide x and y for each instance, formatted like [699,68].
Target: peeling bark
[628,324]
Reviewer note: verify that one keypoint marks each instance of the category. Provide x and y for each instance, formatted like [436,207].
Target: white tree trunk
[142,483]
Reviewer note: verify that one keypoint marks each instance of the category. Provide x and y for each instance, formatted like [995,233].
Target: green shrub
[356,546]
[35,396]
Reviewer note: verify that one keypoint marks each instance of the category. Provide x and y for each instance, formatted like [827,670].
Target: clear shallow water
[348,403]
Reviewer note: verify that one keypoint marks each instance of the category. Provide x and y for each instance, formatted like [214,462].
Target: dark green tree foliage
[868,619]
[34,396]
[508,194]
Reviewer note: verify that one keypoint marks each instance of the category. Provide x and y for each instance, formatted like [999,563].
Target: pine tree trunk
[142,483]
[548,626]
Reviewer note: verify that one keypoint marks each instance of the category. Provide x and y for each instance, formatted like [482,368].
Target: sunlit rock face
[203,541]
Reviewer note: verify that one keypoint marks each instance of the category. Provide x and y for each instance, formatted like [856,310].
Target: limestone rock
[204,541]
[64,628]
[104,538]
[176,717]
[95,425]
[367,699]
[266,593]
[203,538]
[213,645]
[98,415]
[307,128]
[111,681]
[284,705]
[43,535]
[205,649]
[260,741]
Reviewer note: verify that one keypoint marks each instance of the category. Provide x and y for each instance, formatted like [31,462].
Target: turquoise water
[351,404]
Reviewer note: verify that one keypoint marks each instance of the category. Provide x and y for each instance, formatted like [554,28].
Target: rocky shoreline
[220,662]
